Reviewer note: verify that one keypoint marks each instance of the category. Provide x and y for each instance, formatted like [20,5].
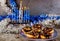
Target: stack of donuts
[38,32]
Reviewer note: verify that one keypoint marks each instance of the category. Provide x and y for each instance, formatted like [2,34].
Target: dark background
[38,6]
[42,6]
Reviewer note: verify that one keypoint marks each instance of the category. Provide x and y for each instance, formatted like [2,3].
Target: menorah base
[14,22]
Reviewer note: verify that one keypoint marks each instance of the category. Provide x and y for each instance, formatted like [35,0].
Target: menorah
[19,15]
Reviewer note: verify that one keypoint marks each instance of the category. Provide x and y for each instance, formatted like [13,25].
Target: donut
[26,29]
[42,36]
[32,35]
[37,27]
[48,30]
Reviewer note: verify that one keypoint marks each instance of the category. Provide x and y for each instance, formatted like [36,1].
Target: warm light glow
[30,36]
[52,31]
[25,7]
[42,37]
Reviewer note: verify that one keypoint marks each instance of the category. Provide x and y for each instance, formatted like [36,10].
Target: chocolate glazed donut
[27,29]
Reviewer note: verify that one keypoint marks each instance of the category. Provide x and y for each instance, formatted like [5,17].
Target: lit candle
[21,12]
